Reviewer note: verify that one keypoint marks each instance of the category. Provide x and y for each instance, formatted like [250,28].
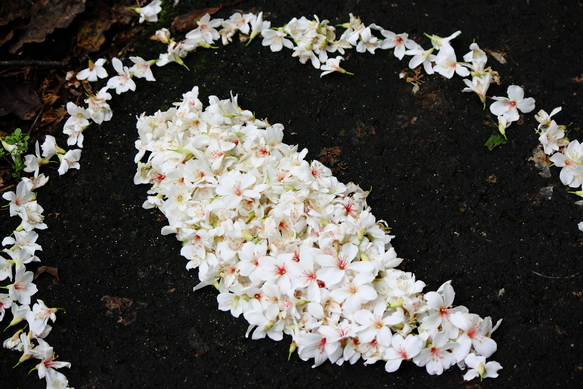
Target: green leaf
[495,141]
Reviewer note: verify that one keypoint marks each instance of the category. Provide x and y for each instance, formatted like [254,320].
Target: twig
[542,275]
[34,62]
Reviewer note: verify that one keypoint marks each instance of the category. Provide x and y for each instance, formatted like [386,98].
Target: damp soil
[504,234]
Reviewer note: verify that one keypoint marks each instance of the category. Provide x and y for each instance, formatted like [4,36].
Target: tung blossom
[333,65]
[236,187]
[508,107]
[94,72]
[480,368]
[123,81]
[22,288]
[149,13]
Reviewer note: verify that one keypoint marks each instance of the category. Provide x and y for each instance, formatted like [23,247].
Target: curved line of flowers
[236,169]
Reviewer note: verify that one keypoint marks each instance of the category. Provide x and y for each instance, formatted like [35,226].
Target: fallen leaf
[541,161]
[90,35]
[53,116]
[495,141]
[498,55]
[49,99]
[47,269]
[121,307]
[55,14]
[19,99]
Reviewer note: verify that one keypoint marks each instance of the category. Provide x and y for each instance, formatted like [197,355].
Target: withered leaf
[498,55]
[53,116]
[19,99]
[90,35]
[47,269]
[52,14]
[49,99]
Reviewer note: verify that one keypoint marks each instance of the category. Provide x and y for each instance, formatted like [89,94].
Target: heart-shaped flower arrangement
[286,244]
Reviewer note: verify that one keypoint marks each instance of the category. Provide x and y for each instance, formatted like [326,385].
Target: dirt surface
[459,212]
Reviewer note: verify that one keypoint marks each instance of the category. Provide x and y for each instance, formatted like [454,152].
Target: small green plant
[15,145]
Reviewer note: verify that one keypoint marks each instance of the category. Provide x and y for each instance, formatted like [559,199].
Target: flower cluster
[291,248]
[21,251]
[568,155]
[314,40]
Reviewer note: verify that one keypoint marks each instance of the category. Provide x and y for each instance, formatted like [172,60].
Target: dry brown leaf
[541,161]
[54,14]
[90,35]
[49,99]
[498,55]
[53,116]
[47,269]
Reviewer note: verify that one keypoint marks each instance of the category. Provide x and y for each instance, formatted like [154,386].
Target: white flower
[571,162]
[50,148]
[509,106]
[76,124]
[367,42]
[48,363]
[477,59]
[544,118]
[304,54]
[479,367]
[234,188]
[206,30]
[421,57]
[162,35]
[149,13]
[94,72]
[123,81]
[442,44]
[353,293]
[70,160]
[20,198]
[479,85]
[446,64]
[276,40]
[33,162]
[22,288]
[551,138]
[98,107]
[281,271]
[438,317]
[257,25]
[142,68]
[39,316]
[476,334]
[399,42]
[436,357]
[333,65]
[376,324]
[23,240]
[266,321]
[32,217]
[5,299]
[403,349]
